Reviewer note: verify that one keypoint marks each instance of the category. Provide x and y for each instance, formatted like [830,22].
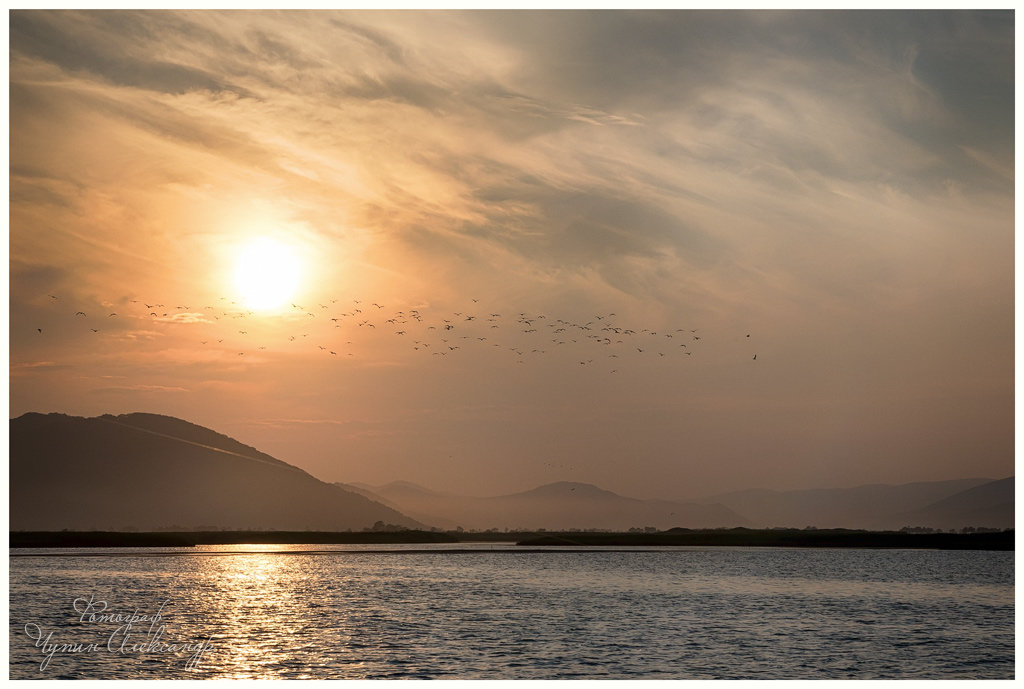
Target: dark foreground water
[350,612]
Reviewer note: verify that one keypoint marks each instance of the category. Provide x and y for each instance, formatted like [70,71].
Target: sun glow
[266,273]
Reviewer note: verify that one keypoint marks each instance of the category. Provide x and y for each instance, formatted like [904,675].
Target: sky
[670,253]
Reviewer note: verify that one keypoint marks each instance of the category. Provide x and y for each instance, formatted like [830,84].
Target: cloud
[186,317]
[79,42]
[140,388]
[623,160]
[288,422]
[29,367]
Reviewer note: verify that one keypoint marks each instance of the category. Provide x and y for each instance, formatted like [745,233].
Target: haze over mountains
[935,504]
[147,471]
[938,504]
[989,504]
[562,505]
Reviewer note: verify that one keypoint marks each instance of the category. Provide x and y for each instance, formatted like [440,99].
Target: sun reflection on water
[256,601]
[250,548]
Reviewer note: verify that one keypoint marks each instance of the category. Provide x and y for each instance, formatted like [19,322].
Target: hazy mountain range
[562,505]
[146,471]
[989,504]
[936,504]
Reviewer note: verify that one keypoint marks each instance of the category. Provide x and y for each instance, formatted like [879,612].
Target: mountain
[875,506]
[563,505]
[988,505]
[398,492]
[146,471]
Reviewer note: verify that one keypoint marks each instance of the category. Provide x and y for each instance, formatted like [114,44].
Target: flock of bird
[330,329]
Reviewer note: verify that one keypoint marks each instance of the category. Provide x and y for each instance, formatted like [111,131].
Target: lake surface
[474,611]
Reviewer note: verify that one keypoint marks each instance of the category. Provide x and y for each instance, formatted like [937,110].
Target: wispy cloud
[185,318]
[141,388]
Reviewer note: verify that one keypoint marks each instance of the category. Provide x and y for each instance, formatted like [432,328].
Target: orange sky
[837,186]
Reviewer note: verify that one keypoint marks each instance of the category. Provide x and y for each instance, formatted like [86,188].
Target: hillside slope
[988,505]
[874,506]
[563,505]
[145,471]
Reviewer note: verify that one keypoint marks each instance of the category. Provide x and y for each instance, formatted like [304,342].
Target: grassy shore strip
[798,538]
[793,538]
[180,539]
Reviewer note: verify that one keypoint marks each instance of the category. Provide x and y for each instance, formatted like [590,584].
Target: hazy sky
[836,185]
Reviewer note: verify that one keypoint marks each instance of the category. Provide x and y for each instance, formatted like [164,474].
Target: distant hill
[562,505]
[398,493]
[988,505]
[146,471]
[876,506]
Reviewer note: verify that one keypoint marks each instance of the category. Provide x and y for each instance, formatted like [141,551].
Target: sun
[266,273]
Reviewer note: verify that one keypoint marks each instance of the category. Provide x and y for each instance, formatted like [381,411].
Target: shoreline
[537,541]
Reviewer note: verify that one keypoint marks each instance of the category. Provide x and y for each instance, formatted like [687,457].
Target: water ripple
[680,614]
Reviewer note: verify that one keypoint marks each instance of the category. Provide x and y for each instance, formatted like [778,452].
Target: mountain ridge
[194,475]
[562,504]
[870,506]
[876,506]
[987,505]
[129,472]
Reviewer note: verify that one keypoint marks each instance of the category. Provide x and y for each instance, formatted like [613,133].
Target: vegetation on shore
[799,538]
[794,538]
[154,539]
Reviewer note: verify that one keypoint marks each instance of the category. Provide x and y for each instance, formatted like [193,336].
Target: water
[490,612]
